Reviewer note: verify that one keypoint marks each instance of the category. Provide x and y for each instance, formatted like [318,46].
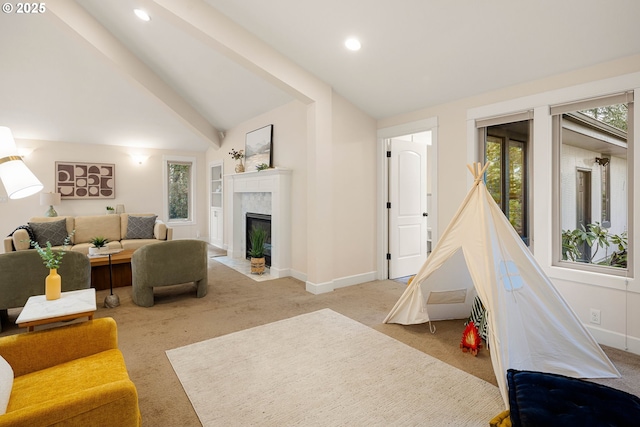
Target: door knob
[425,214]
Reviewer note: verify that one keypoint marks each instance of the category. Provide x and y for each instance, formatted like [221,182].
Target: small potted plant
[99,245]
[52,259]
[238,155]
[257,238]
[110,210]
[262,166]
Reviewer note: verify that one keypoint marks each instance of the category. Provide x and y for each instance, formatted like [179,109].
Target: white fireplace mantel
[278,183]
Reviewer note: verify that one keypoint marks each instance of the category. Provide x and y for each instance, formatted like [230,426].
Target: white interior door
[408,210]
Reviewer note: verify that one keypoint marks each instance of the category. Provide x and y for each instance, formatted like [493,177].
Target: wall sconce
[18,180]
[51,199]
[139,158]
[604,161]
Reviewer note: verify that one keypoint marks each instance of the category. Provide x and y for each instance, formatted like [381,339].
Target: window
[179,189]
[592,142]
[505,143]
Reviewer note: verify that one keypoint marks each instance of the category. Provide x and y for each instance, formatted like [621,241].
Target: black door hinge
[388,153]
[388,205]
[389,256]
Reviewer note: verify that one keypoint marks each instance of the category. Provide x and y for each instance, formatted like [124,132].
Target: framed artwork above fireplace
[258,148]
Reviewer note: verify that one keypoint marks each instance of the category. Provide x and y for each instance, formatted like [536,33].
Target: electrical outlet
[595,316]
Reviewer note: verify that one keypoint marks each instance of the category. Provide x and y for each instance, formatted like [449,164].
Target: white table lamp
[18,180]
[51,199]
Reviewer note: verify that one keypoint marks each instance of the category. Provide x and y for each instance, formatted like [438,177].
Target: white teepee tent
[530,326]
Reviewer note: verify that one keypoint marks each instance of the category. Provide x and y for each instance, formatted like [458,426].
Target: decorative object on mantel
[238,155]
[257,237]
[262,166]
[51,200]
[110,210]
[119,209]
[52,259]
[86,180]
[258,148]
[99,245]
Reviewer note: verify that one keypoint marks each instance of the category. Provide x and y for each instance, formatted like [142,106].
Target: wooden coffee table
[71,305]
[121,264]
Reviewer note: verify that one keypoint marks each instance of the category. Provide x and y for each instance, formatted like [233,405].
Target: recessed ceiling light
[142,14]
[352,44]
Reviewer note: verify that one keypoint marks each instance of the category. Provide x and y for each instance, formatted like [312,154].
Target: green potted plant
[110,210]
[52,259]
[257,240]
[99,245]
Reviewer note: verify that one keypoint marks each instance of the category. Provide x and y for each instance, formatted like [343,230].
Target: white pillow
[6,382]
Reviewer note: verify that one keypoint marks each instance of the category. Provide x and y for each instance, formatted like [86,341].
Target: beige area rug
[324,369]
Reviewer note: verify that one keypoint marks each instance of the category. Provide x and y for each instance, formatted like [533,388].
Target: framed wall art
[258,148]
[86,180]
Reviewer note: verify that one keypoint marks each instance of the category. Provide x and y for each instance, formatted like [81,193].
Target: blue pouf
[543,399]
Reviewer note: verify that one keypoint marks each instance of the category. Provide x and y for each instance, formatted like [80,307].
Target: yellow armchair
[73,375]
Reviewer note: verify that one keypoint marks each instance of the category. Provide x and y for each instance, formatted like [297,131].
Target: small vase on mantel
[53,285]
[239,167]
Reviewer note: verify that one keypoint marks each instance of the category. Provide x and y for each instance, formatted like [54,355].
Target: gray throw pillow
[140,227]
[54,232]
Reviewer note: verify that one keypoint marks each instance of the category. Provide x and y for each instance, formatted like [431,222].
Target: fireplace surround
[277,183]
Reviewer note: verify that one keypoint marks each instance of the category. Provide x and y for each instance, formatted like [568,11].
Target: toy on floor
[471,341]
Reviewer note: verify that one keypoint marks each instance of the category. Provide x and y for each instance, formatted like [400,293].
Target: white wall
[354,194]
[289,151]
[138,187]
[352,175]
[620,309]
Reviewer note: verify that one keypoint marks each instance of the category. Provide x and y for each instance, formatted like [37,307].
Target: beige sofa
[123,231]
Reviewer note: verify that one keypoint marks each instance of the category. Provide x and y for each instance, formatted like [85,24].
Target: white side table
[71,305]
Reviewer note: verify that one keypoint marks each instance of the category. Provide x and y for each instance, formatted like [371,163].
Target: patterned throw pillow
[140,227]
[54,232]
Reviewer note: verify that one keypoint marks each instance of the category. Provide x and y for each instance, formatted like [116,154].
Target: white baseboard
[298,275]
[342,282]
[615,339]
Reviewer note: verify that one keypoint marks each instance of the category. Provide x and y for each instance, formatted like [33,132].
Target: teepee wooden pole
[473,173]
[477,170]
[484,169]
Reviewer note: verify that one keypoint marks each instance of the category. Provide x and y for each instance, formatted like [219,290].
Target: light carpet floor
[325,369]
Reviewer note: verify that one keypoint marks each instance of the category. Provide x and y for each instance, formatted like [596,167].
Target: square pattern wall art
[86,180]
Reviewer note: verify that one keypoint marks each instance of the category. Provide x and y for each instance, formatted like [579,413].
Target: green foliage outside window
[594,235]
[613,115]
[179,190]
[494,180]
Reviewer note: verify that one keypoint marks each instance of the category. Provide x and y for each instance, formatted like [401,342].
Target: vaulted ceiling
[89,71]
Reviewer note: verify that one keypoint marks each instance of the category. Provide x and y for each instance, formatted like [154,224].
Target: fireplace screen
[260,221]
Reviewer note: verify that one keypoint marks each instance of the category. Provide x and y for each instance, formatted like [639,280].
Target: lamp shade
[16,177]
[50,199]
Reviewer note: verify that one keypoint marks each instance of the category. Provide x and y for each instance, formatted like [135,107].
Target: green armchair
[168,263]
[22,275]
